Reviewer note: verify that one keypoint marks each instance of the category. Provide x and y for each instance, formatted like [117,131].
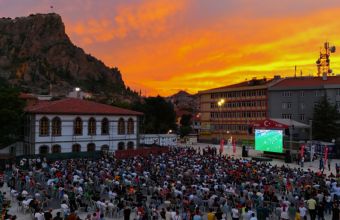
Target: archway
[44,149]
[121,146]
[91,147]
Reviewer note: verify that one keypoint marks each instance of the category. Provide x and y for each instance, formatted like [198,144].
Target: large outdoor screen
[268,140]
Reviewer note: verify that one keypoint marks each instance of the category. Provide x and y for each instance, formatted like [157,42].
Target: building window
[76,148]
[56,149]
[105,126]
[121,126]
[78,126]
[284,105]
[92,126]
[302,106]
[56,126]
[43,149]
[302,117]
[130,126]
[302,93]
[289,105]
[91,147]
[130,145]
[121,146]
[286,93]
[287,116]
[44,126]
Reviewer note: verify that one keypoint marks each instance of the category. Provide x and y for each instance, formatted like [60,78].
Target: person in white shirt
[303,211]
[39,215]
[65,208]
[235,213]
[253,217]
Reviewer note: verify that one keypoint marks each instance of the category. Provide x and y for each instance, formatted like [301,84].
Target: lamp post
[220,104]
[311,140]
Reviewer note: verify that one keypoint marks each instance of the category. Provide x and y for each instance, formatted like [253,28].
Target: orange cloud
[147,19]
[162,55]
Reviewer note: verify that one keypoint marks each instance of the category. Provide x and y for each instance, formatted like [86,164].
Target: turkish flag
[302,151]
[221,146]
[326,153]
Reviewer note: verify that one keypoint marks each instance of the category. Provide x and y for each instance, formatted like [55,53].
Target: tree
[11,115]
[325,121]
[159,115]
[185,125]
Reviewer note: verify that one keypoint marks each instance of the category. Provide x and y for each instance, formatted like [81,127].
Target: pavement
[314,166]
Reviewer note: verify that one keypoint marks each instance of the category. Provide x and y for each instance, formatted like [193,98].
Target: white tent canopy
[290,122]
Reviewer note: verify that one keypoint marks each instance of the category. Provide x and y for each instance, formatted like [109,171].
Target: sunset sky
[164,46]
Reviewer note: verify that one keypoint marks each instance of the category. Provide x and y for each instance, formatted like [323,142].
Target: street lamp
[220,104]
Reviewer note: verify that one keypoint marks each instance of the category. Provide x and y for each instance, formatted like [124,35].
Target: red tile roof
[26,96]
[307,82]
[74,106]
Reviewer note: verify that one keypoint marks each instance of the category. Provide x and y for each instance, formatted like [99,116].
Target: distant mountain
[183,100]
[36,52]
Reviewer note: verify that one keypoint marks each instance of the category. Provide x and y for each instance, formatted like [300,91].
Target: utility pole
[291,137]
[311,140]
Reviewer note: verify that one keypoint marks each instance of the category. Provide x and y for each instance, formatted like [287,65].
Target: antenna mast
[323,63]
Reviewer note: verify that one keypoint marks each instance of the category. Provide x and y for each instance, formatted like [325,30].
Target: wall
[159,139]
[67,139]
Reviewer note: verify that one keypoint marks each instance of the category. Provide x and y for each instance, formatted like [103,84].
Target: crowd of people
[183,184]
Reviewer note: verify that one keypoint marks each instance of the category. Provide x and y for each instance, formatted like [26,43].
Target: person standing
[311,203]
[302,211]
[302,161]
[235,213]
[291,211]
[329,164]
[127,212]
[335,211]
[211,215]
[321,210]
[321,165]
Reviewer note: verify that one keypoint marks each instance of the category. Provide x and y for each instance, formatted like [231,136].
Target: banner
[326,153]
[221,146]
[302,151]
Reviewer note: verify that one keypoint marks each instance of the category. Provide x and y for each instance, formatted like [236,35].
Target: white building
[167,140]
[74,125]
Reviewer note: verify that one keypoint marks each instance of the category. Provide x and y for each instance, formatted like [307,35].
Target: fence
[64,156]
[142,152]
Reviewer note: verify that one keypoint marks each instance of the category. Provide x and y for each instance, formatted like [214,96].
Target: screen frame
[266,129]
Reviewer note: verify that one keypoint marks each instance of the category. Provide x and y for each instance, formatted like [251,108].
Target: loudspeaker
[250,130]
[288,157]
[287,132]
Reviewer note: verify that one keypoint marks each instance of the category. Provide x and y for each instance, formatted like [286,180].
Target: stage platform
[262,159]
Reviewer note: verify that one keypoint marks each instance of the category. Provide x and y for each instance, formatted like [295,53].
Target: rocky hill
[35,52]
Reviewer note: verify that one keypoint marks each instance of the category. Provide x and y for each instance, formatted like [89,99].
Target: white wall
[159,139]
[67,139]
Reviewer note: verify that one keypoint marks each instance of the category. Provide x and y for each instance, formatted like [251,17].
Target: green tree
[159,115]
[11,115]
[325,121]
[185,123]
